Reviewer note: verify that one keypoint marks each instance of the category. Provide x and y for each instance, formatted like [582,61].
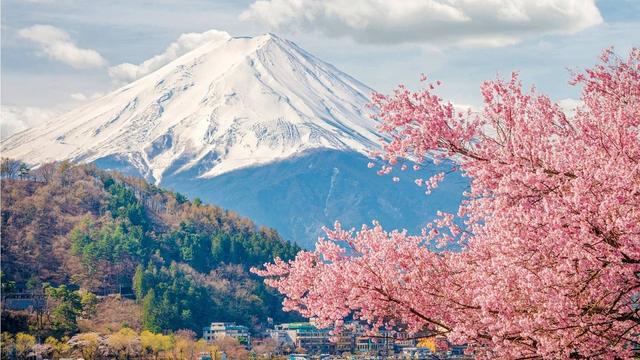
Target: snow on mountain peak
[224,105]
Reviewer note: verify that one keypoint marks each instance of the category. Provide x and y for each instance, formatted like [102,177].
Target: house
[218,330]
[303,335]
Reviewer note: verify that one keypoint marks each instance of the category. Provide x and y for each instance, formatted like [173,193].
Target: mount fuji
[257,125]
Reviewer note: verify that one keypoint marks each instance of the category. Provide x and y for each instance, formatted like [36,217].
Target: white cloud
[56,44]
[127,72]
[17,118]
[432,22]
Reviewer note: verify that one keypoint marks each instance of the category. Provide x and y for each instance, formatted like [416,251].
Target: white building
[304,335]
[218,330]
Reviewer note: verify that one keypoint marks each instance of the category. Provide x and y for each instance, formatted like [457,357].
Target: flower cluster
[550,248]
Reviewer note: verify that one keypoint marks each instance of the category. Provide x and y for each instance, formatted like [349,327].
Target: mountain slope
[80,226]
[223,106]
[299,195]
[256,125]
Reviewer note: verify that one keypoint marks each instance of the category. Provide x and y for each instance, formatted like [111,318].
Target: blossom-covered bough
[550,259]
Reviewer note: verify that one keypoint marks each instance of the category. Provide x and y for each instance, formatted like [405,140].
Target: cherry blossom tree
[547,256]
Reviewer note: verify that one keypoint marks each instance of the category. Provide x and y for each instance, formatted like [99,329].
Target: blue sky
[49,69]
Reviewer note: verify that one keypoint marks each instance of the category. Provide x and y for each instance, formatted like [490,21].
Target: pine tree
[149,315]
[138,282]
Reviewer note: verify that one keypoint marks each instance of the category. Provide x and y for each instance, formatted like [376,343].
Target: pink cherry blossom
[549,229]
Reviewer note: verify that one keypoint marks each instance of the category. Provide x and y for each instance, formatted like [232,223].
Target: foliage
[155,344]
[184,344]
[124,204]
[125,343]
[16,321]
[112,241]
[79,226]
[89,344]
[60,347]
[6,286]
[23,344]
[8,345]
[549,230]
[88,303]
[10,168]
[265,348]
[67,308]
[194,244]
[151,313]
[231,347]
[177,298]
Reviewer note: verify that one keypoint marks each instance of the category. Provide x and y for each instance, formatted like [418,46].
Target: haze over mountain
[257,125]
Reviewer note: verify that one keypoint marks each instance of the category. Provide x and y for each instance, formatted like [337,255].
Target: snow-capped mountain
[256,125]
[223,106]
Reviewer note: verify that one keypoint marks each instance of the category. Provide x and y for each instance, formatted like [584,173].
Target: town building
[373,345]
[218,330]
[303,340]
[303,335]
[344,343]
[404,340]
[417,353]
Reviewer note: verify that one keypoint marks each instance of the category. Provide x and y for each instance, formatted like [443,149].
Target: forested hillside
[186,262]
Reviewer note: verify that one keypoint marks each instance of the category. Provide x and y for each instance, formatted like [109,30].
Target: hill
[186,262]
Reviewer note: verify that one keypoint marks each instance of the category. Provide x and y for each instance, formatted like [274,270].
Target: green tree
[220,247]
[123,203]
[150,320]
[180,198]
[23,171]
[67,307]
[112,240]
[88,302]
[137,282]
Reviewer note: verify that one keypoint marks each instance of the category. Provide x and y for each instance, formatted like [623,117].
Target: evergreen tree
[149,310]
[138,282]
[67,307]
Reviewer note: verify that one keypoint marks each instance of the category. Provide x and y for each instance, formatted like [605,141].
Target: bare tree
[9,168]
[45,172]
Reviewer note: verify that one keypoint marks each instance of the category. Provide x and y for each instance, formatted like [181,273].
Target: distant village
[303,340]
